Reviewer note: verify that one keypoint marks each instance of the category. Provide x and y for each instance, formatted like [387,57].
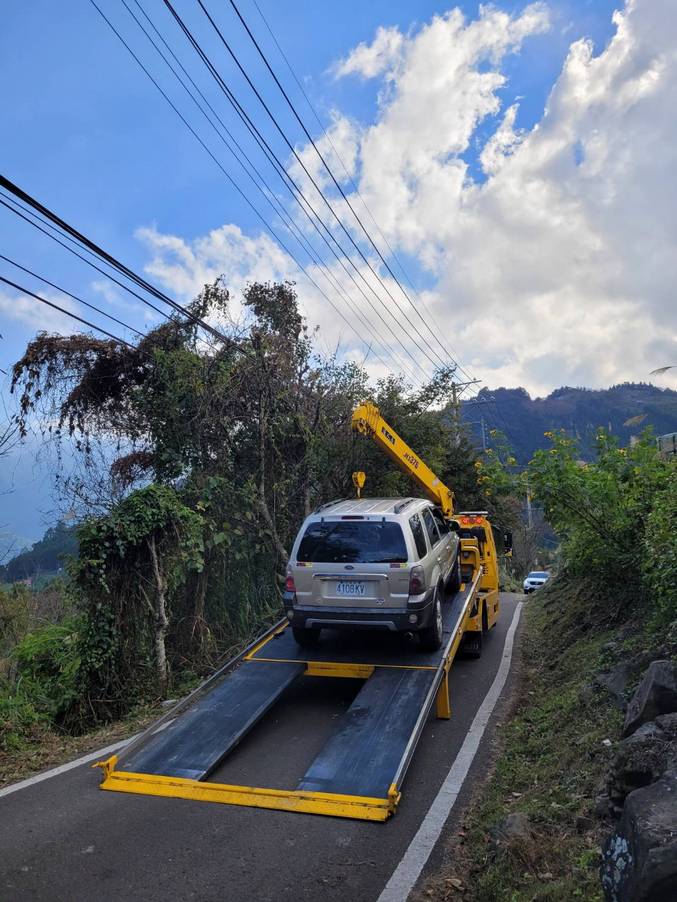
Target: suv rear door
[440,541]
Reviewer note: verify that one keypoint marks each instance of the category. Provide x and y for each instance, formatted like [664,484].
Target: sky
[517,159]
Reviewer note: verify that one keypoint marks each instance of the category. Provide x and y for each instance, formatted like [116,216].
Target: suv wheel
[431,638]
[306,638]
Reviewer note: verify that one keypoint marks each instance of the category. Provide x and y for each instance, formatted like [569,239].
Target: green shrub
[660,554]
[47,665]
[616,517]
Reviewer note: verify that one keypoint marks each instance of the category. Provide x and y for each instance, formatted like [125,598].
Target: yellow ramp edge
[335,805]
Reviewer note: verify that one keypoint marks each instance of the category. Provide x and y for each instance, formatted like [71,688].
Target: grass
[550,764]
[43,747]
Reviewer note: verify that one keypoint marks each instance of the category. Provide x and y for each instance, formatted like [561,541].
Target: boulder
[614,682]
[655,695]
[642,758]
[514,829]
[639,861]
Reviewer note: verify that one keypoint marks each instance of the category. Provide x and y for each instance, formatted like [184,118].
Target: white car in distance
[535,580]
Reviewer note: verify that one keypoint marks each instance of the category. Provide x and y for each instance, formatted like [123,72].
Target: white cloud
[559,267]
[377,58]
[39,317]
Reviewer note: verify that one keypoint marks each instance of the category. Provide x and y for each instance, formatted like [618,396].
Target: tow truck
[360,771]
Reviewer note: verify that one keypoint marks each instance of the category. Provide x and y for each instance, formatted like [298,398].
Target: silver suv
[372,563]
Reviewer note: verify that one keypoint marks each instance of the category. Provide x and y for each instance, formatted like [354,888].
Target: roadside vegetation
[534,830]
[197,461]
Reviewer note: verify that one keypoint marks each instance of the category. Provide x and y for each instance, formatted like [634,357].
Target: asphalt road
[63,839]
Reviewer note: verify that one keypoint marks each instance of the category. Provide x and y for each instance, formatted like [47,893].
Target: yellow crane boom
[367,420]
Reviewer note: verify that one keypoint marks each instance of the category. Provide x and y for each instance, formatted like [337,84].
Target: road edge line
[63,768]
[407,872]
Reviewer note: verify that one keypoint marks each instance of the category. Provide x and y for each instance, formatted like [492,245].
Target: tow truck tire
[455,579]
[306,638]
[472,645]
[430,639]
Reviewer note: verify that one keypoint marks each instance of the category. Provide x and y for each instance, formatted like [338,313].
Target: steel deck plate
[363,646]
[198,740]
[362,757]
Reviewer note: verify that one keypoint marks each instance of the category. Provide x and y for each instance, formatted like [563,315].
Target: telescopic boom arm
[367,420]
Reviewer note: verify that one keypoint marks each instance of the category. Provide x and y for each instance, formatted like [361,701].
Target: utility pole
[529,512]
[456,408]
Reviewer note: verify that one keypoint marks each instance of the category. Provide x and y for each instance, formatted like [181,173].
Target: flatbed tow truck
[360,771]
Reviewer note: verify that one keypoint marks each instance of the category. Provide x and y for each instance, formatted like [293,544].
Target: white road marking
[409,869]
[55,771]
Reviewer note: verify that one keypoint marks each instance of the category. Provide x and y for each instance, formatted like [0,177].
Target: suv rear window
[361,542]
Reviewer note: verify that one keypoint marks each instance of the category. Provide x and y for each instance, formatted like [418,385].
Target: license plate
[352,588]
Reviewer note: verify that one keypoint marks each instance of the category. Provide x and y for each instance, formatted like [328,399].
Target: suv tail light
[416,581]
[289,585]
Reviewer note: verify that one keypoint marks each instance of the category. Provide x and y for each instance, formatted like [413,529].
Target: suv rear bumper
[394,620]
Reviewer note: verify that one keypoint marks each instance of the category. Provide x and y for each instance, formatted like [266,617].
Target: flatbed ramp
[360,770]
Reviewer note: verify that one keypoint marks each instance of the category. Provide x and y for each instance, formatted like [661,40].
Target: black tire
[430,639]
[455,579]
[472,645]
[306,638]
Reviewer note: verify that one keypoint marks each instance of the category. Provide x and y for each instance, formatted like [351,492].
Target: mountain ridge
[579,411]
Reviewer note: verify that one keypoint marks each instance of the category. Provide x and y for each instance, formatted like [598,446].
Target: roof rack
[329,504]
[400,506]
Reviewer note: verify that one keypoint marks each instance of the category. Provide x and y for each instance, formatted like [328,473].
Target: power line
[324,163]
[224,171]
[71,295]
[350,178]
[66,312]
[288,181]
[317,187]
[110,260]
[277,207]
[29,217]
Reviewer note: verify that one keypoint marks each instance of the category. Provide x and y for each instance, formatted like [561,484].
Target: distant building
[667,444]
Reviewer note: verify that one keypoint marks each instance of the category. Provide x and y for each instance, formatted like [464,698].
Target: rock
[656,694]
[615,682]
[642,758]
[583,823]
[516,827]
[602,806]
[639,861]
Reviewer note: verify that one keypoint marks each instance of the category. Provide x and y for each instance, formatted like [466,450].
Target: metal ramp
[359,772]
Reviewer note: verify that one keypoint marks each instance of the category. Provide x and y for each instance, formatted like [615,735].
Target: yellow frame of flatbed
[331,804]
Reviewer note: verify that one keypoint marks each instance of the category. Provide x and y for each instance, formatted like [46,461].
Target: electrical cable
[350,178]
[287,179]
[110,260]
[224,171]
[325,164]
[66,312]
[39,226]
[276,206]
[321,193]
[71,295]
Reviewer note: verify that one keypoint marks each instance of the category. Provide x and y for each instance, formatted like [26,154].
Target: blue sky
[84,131]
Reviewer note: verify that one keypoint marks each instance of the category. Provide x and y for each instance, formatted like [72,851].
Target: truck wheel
[431,638]
[455,579]
[472,645]
[306,638]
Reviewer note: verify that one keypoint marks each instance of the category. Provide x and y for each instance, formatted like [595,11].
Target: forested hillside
[625,410]
[45,556]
